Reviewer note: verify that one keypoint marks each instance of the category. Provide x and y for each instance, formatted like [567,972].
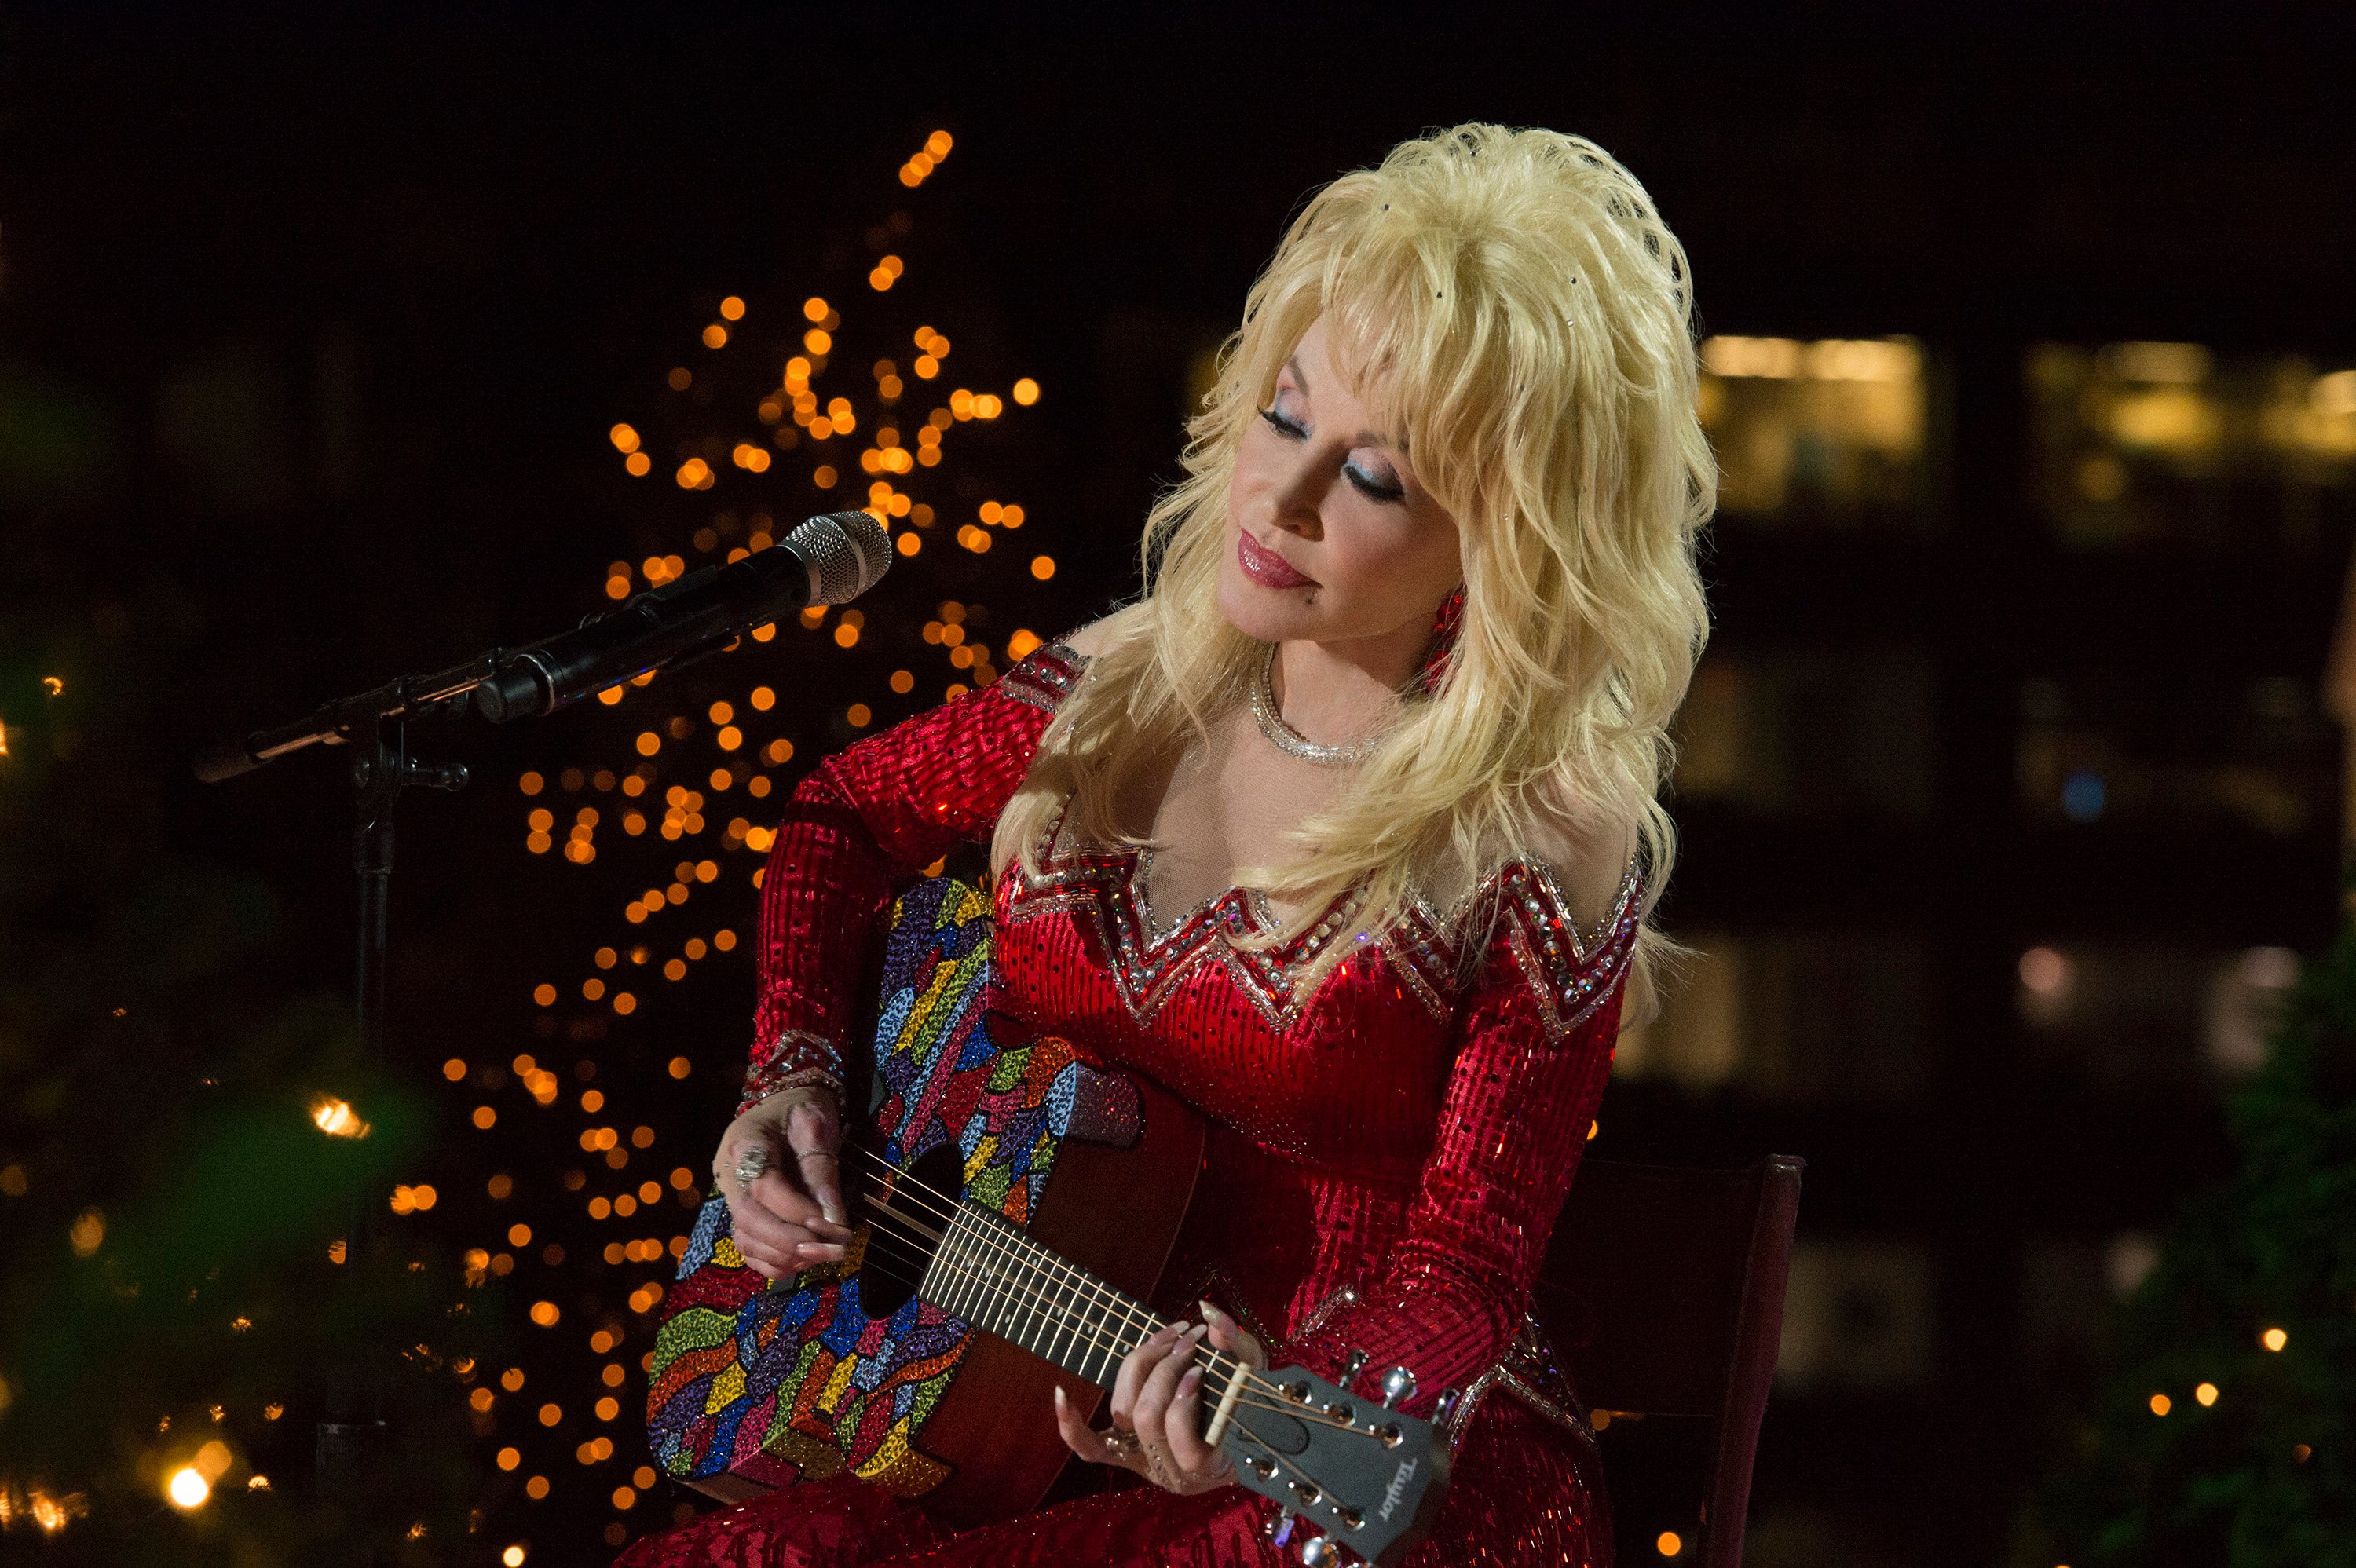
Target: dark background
[408,268]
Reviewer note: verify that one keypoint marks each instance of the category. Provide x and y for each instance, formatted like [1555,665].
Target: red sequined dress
[1387,1154]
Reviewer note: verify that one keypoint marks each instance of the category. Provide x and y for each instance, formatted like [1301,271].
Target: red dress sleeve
[866,818]
[1535,1037]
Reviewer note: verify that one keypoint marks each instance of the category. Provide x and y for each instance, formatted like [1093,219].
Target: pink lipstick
[1266,566]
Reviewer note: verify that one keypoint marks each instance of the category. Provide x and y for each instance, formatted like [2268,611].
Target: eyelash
[1357,477]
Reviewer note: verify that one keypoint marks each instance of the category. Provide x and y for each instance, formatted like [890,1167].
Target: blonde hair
[1528,321]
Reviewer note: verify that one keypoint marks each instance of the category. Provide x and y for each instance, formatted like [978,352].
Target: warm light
[2274,1338]
[813,309]
[544,994]
[1042,567]
[694,474]
[536,1488]
[213,1459]
[187,1489]
[639,465]
[87,1232]
[2161,1405]
[2206,1394]
[1669,1543]
[731,308]
[512,1557]
[817,340]
[508,1459]
[336,1118]
[1026,391]
[2044,970]
[625,439]
[544,1313]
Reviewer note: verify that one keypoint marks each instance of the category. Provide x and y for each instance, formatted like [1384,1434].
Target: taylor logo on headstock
[1397,1491]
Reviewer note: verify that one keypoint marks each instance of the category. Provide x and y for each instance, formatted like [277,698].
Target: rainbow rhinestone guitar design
[1018,1208]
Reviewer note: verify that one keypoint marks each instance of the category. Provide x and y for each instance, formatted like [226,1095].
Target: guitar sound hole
[898,1253]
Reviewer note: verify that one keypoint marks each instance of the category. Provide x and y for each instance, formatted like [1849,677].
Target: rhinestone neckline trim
[1571,969]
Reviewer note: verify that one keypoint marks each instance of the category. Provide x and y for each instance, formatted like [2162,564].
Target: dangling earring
[1444,627]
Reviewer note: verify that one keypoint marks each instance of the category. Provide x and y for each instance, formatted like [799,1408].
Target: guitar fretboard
[989,1273]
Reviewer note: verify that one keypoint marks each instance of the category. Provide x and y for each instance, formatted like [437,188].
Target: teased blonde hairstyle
[1527,320]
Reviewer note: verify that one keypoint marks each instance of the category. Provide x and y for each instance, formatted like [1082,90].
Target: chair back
[1663,1293]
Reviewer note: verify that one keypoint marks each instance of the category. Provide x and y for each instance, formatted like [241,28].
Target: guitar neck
[990,1274]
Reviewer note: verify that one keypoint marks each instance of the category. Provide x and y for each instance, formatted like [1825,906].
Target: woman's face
[1329,540]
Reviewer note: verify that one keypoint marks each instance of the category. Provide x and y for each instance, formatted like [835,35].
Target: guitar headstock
[1360,1476]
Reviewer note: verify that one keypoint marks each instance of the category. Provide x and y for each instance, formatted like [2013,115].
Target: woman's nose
[1298,498]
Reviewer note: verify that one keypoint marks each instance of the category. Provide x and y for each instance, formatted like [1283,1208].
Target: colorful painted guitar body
[1023,1205]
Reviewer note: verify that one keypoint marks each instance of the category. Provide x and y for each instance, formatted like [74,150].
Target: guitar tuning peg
[1318,1552]
[1442,1412]
[1398,1387]
[1352,1365]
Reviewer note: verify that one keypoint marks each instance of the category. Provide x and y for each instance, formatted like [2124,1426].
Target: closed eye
[1378,489]
[1283,426]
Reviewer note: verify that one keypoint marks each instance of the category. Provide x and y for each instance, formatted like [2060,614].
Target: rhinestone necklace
[1290,740]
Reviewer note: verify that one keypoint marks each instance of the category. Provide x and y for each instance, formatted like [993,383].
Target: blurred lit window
[1796,1017]
[1824,433]
[2115,1016]
[2139,442]
[2258,755]
[1783,734]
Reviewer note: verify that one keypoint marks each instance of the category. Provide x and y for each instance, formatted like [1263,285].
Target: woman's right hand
[791,1217]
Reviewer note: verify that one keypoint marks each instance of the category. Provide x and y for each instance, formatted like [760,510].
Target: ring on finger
[751,1166]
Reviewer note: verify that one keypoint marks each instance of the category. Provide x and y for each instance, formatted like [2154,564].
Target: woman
[1344,832]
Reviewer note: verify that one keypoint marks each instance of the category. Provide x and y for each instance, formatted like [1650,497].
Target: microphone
[832,559]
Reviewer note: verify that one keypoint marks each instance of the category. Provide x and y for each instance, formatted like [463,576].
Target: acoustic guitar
[1014,1209]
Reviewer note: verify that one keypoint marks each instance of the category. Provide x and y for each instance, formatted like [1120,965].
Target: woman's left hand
[1157,1420]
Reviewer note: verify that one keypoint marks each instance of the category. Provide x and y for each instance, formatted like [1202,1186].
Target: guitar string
[1293,1411]
[1296,1411]
[1288,1409]
[1240,1368]
[1232,1367]
[946,1204]
[1082,1284]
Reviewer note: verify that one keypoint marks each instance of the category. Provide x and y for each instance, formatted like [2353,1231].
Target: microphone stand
[828,559]
[352,1431]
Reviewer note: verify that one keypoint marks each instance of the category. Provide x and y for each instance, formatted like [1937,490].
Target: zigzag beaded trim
[1099,884]
[796,1057]
[1570,971]
[1044,677]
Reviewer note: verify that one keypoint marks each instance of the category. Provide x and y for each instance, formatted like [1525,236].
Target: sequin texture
[1392,1145]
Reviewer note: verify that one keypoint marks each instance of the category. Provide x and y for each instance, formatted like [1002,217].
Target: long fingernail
[1212,1314]
[1059,1396]
[1191,1381]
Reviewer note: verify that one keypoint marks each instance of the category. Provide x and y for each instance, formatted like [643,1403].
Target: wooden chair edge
[1760,1326]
